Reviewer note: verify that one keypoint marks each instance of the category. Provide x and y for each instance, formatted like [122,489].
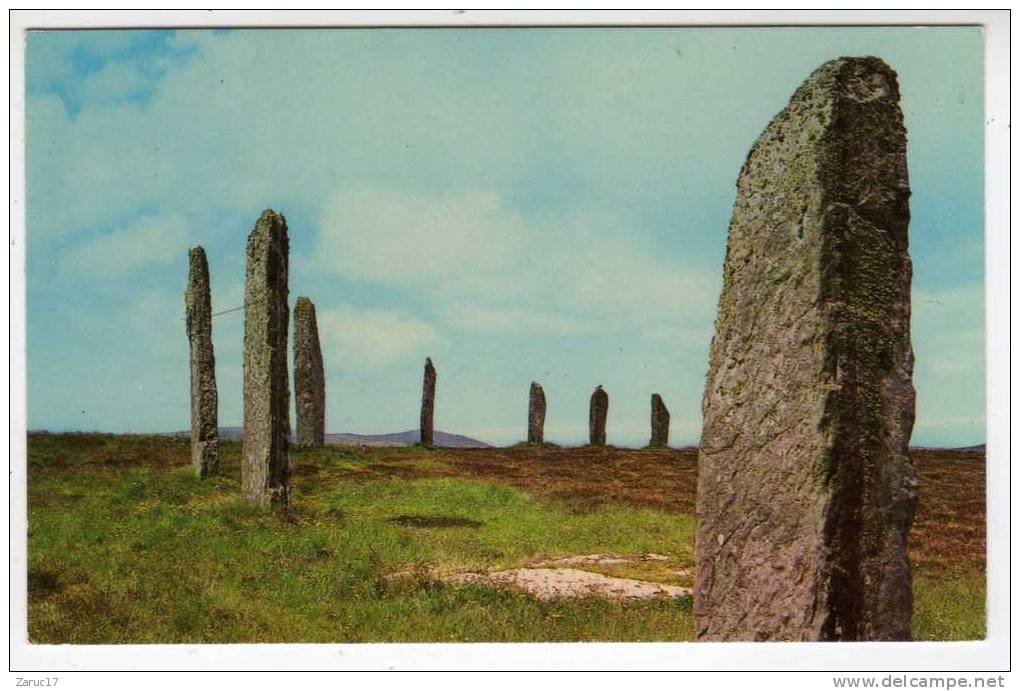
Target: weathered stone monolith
[309,377]
[205,437]
[598,410]
[428,402]
[265,465]
[660,423]
[805,490]
[536,414]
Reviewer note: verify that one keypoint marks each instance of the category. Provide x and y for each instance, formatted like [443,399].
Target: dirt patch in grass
[557,583]
[615,576]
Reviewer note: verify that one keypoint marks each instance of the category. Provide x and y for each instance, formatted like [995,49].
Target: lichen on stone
[265,464]
[808,403]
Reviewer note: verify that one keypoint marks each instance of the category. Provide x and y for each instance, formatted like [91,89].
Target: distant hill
[404,438]
[393,439]
[456,440]
[977,448]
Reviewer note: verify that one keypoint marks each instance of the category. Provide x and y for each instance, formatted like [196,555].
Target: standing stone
[205,438]
[309,378]
[660,422]
[428,402]
[536,414]
[805,490]
[598,410]
[265,467]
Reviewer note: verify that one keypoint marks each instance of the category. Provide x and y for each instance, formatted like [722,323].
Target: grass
[948,605]
[125,545]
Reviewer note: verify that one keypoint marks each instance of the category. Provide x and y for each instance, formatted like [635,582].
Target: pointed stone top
[860,79]
[853,62]
[428,363]
[304,303]
[197,260]
[198,271]
[270,225]
[535,383]
[272,215]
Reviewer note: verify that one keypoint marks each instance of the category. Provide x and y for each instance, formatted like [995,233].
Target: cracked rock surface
[598,411]
[805,490]
[265,459]
[660,422]
[428,403]
[309,377]
[205,440]
[536,414]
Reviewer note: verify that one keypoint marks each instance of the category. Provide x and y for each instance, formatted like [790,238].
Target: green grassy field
[125,545]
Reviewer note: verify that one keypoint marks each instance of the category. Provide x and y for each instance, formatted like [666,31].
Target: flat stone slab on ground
[552,584]
[599,559]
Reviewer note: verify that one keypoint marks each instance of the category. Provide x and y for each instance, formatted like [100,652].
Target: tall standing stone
[660,423]
[805,490]
[428,402]
[265,466]
[536,414]
[598,410]
[205,437]
[309,377]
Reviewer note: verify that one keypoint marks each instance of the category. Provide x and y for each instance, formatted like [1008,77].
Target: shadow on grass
[42,582]
[421,521]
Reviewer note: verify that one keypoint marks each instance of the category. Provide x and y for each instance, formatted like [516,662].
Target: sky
[518,204]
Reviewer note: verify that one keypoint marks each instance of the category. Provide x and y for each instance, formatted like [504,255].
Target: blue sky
[519,204]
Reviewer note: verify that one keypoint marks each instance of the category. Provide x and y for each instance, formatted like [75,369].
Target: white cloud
[149,240]
[600,268]
[256,118]
[371,339]
[488,269]
[501,319]
[413,237]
